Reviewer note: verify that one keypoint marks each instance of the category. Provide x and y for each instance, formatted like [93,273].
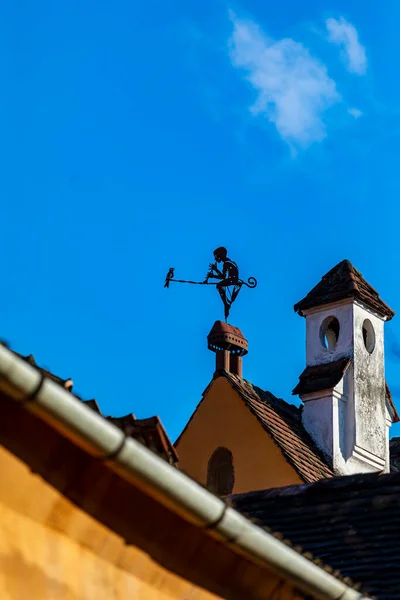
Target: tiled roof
[394,445]
[282,421]
[321,377]
[149,432]
[316,378]
[344,281]
[351,523]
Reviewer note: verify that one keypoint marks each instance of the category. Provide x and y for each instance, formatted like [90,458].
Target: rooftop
[394,445]
[321,377]
[351,523]
[341,282]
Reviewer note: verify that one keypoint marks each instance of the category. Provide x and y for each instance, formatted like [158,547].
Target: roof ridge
[322,376]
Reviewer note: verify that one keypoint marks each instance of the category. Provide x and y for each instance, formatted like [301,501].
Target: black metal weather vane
[227,279]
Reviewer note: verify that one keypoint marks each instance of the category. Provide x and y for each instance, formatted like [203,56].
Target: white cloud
[293,87]
[355,112]
[345,35]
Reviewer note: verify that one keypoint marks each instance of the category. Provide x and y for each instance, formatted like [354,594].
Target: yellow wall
[222,419]
[49,549]
[73,529]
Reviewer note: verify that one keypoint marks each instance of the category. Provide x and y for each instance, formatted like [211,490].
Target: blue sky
[139,136]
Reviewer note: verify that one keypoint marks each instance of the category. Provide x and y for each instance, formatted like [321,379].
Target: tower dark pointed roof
[344,281]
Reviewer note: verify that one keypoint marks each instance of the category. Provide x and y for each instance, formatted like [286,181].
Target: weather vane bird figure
[228,283]
[170,275]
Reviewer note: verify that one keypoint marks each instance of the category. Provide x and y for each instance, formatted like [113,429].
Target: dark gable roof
[316,378]
[351,523]
[149,432]
[282,421]
[394,445]
[344,281]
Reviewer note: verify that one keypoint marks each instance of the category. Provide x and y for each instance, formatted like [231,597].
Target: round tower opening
[329,332]
[368,334]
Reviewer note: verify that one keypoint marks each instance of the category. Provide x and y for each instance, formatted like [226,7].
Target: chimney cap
[227,337]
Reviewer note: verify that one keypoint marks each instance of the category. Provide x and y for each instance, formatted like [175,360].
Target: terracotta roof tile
[351,523]
[149,432]
[315,378]
[282,421]
[344,281]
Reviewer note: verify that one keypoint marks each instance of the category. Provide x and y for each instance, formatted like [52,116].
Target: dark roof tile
[394,445]
[351,523]
[325,376]
[344,281]
[316,378]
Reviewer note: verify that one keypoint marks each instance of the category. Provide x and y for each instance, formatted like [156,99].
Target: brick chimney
[229,346]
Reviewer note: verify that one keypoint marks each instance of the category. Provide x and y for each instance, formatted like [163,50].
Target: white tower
[347,405]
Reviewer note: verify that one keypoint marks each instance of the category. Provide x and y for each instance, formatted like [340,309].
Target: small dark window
[220,475]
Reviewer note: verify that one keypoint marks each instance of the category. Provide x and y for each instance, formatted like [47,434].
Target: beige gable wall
[223,419]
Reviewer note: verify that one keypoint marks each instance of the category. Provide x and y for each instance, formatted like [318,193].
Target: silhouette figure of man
[229,276]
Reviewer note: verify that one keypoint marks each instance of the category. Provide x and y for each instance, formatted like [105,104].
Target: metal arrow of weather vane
[227,279]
